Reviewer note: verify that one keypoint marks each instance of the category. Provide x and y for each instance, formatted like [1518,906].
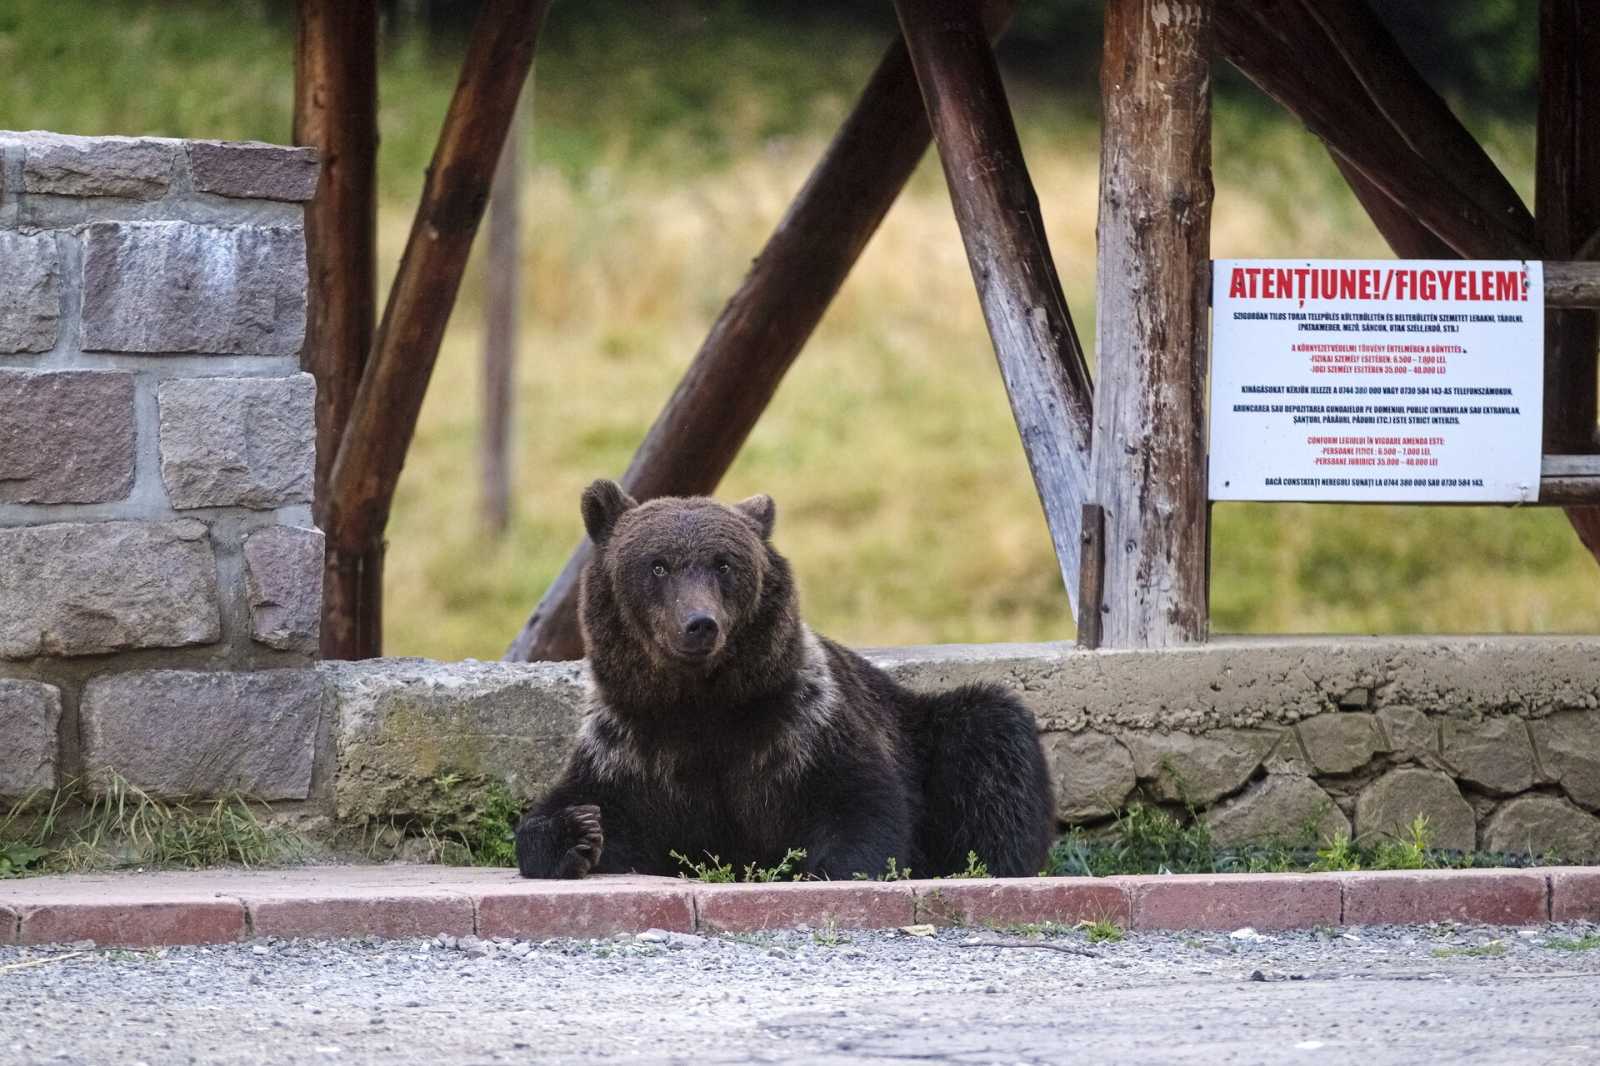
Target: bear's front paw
[565,844]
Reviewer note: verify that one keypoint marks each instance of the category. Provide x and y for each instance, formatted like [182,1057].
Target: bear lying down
[721,725]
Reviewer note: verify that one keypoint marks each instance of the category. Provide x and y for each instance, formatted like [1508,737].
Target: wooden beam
[1407,238]
[1041,360]
[1091,580]
[1152,319]
[1570,285]
[502,293]
[767,321]
[1277,45]
[336,110]
[1414,109]
[384,416]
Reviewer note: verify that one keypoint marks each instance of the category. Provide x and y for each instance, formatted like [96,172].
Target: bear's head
[684,596]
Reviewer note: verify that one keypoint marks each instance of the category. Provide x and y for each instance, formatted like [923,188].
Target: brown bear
[720,724]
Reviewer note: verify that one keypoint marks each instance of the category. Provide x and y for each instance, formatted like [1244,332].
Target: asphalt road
[1435,995]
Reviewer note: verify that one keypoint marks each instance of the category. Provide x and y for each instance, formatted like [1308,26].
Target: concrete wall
[160,578]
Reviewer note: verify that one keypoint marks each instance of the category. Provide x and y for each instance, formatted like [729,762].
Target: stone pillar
[159,570]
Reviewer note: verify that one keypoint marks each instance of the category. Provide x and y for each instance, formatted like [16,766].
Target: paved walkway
[153,909]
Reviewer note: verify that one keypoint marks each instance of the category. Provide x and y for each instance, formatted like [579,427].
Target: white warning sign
[1386,380]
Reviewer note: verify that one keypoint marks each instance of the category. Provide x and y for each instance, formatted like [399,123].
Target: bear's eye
[659,569]
[723,567]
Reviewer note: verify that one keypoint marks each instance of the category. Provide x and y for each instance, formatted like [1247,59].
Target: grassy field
[665,149]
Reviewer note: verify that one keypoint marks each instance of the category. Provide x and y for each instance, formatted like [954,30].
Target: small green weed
[1409,853]
[1564,943]
[1492,950]
[1340,854]
[1103,931]
[717,872]
[975,867]
[891,872]
[829,936]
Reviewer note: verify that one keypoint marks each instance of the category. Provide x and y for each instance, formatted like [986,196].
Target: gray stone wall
[1495,741]
[159,572]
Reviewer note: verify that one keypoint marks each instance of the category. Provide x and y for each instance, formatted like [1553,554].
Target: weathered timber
[1413,108]
[1286,54]
[1406,237]
[1567,209]
[1041,361]
[1572,285]
[336,110]
[1568,202]
[1091,579]
[1154,270]
[768,320]
[384,416]
[502,293]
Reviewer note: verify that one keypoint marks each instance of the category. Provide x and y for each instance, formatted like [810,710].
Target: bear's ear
[760,510]
[603,503]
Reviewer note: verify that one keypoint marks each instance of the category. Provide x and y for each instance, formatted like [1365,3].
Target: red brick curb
[157,909]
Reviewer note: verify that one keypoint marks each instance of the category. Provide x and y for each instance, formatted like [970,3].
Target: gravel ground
[1443,994]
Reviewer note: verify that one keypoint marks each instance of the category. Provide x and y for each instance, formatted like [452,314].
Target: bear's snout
[700,633]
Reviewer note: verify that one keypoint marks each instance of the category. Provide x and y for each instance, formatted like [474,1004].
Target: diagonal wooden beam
[1035,343]
[768,320]
[1278,46]
[1414,109]
[383,417]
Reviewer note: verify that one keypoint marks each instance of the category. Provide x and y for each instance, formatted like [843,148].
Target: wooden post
[384,415]
[1091,582]
[1567,208]
[767,321]
[1154,293]
[1041,361]
[336,110]
[502,294]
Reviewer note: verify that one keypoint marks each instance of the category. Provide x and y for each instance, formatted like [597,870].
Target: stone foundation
[159,573]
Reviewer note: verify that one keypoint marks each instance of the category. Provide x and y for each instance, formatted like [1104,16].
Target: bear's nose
[701,629]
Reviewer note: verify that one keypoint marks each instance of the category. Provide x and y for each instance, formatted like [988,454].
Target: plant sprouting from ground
[717,872]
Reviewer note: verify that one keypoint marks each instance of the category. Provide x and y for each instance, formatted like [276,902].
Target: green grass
[1564,943]
[117,825]
[666,147]
[716,872]
[1492,950]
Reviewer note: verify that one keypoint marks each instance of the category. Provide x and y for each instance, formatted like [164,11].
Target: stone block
[252,170]
[30,719]
[283,582]
[30,292]
[1575,894]
[88,588]
[182,733]
[401,726]
[1231,901]
[1339,743]
[65,437]
[178,287]
[784,905]
[132,168]
[1387,807]
[1180,767]
[1569,750]
[1021,901]
[1092,774]
[1411,734]
[1417,897]
[1543,826]
[595,906]
[238,442]
[1494,754]
[338,911]
[1280,808]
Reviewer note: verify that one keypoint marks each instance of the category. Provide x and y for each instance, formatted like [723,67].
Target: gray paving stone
[66,437]
[178,287]
[185,733]
[30,292]
[252,170]
[128,167]
[238,442]
[88,588]
[283,580]
[30,718]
